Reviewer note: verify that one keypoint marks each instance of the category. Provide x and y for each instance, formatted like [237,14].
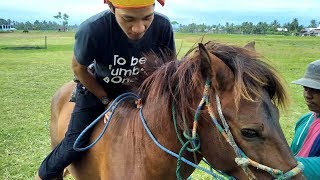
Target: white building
[310,31]
[282,29]
[7,28]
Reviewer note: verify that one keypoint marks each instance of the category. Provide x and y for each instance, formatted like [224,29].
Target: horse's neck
[161,124]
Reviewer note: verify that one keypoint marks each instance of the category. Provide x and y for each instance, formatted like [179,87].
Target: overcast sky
[182,11]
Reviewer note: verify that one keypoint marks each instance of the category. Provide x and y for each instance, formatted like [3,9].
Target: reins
[241,159]
[112,107]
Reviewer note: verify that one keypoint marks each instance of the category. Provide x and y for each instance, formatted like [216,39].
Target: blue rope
[175,154]
[112,107]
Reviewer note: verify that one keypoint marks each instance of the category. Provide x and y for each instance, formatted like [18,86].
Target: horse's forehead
[257,110]
[261,110]
[269,107]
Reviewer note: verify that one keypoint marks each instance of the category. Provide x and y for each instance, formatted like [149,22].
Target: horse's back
[61,109]
[120,153]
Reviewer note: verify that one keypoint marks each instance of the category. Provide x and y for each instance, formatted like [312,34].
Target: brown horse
[242,93]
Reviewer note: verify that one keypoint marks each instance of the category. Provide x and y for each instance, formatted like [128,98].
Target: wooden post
[45,42]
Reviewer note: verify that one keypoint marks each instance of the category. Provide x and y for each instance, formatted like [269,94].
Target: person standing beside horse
[115,40]
[306,141]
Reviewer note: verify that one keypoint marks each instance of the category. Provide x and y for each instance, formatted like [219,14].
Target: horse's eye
[249,133]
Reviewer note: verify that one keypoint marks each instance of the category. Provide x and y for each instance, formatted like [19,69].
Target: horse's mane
[172,81]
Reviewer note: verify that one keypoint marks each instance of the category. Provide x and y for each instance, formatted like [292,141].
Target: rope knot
[244,162]
[293,172]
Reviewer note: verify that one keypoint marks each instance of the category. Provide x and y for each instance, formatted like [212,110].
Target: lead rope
[113,106]
[194,141]
[228,136]
[242,160]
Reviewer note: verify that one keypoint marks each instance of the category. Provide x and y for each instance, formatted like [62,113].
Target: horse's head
[245,92]
[242,94]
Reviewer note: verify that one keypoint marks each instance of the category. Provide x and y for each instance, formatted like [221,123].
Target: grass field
[29,78]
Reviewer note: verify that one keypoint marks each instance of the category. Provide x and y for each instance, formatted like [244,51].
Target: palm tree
[58,17]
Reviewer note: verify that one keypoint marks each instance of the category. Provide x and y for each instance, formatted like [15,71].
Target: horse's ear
[206,71]
[216,70]
[251,46]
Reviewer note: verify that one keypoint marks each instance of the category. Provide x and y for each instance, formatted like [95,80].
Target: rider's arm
[87,79]
[311,167]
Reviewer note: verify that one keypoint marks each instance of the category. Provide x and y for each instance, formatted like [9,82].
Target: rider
[115,40]
[306,141]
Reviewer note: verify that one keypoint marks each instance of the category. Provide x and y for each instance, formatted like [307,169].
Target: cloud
[183,11]
[214,11]
[32,10]
[243,5]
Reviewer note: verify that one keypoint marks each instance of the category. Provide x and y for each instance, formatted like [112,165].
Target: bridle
[241,159]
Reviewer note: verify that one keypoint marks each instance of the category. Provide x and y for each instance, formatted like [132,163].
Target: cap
[311,77]
[133,3]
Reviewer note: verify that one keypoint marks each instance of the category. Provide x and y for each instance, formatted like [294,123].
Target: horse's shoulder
[65,90]
[62,96]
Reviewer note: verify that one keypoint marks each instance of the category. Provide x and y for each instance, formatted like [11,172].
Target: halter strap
[241,159]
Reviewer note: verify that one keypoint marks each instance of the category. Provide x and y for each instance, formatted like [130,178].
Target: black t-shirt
[101,40]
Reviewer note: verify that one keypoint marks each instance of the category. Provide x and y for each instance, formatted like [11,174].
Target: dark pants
[87,109]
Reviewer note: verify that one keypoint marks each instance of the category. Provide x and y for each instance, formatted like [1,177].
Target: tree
[247,27]
[28,25]
[58,16]
[9,21]
[274,25]
[313,24]
[3,21]
[65,19]
[173,23]
[294,25]
[261,28]
[192,27]
[229,27]
[36,25]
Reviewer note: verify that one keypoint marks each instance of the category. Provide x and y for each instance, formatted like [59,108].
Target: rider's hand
[106,116]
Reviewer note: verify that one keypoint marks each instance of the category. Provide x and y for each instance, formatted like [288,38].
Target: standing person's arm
[311,167]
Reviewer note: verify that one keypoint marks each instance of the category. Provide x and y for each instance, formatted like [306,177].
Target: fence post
[45,42]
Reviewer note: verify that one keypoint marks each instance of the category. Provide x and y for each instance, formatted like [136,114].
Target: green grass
[29,78]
